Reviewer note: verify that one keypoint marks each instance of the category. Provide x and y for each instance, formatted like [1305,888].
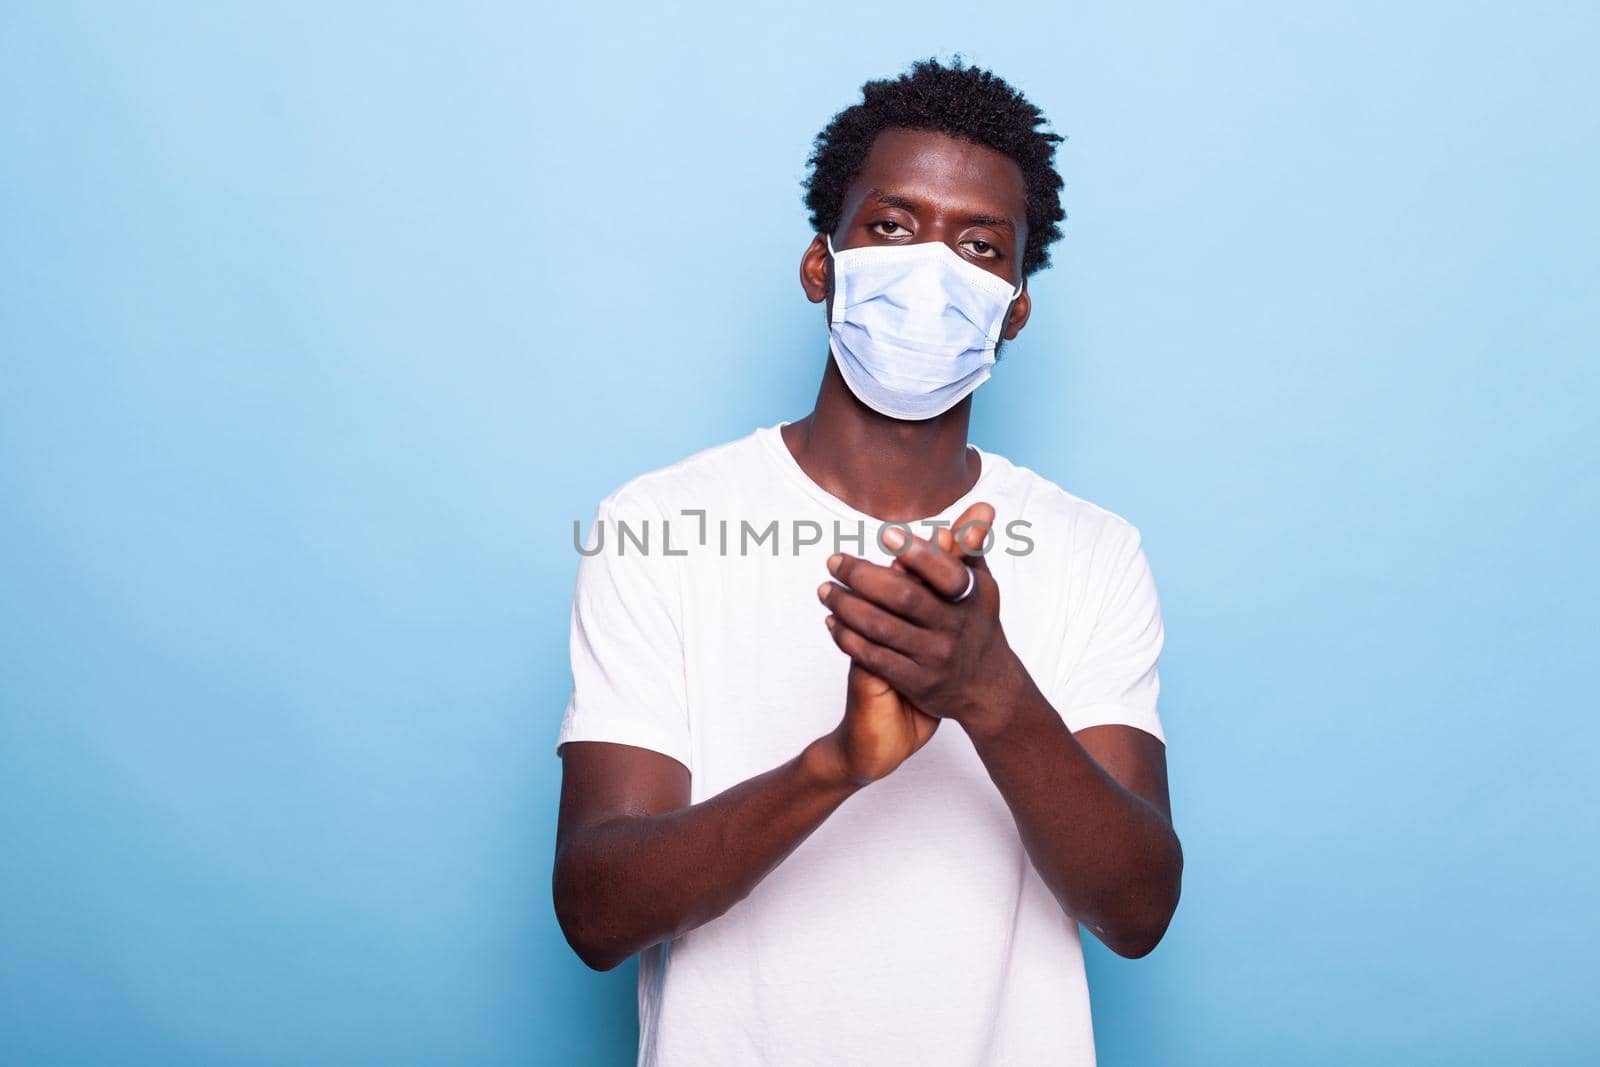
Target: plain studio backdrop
[320,325]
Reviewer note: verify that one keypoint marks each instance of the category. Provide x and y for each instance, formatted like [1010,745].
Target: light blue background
[320,323]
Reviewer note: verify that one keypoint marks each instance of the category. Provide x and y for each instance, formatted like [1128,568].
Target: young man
[859,822]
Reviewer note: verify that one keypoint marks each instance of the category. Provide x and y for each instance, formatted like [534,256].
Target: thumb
[972,531]
[863,683]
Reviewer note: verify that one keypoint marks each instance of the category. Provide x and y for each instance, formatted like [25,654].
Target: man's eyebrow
[999,222]
[905,203]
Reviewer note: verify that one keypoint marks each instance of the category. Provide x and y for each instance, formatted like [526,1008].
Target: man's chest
[763,675]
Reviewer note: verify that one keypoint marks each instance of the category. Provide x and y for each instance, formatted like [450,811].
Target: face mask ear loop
[1005,314]
[838,302]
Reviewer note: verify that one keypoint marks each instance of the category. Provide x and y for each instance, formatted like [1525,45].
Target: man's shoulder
[701,477]
[1041,501]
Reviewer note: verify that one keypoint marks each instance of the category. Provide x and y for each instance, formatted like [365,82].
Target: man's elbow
[1137,941]
[582,930]
[1142,927]
[583,923]
[596,958]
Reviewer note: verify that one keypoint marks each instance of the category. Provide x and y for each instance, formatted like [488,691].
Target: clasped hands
[917,655]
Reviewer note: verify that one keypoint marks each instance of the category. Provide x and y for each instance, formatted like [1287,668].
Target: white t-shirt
[910,928]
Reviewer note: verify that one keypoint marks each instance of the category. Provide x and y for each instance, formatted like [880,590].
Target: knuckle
[874,625]
[903,597]
[955,582]
[841,635]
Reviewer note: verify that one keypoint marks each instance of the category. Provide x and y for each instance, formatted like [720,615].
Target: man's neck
[887,468]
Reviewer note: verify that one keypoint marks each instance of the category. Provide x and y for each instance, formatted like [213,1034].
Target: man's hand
[900,624]
[880,729]
[952,660]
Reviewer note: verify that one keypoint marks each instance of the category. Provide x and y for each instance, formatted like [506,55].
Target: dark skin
[637,864]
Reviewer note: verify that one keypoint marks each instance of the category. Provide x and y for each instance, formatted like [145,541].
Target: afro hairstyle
[959,100]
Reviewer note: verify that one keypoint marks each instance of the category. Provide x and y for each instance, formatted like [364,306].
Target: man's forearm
[631,881]
[1109,856]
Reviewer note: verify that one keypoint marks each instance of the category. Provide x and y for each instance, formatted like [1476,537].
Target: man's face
[921,185]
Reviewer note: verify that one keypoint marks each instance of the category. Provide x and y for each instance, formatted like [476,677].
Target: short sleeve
[628,683]
[1115,680]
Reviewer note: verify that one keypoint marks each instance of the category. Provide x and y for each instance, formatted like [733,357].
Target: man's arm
[637,864]
[1092,810]
[1093,813]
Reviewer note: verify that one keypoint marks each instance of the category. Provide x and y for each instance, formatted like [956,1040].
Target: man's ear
[1021,308]
[816,266]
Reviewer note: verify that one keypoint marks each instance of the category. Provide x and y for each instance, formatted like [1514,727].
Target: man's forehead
[926,168]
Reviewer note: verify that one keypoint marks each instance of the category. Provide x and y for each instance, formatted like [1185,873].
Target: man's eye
[983,249]
[889,227]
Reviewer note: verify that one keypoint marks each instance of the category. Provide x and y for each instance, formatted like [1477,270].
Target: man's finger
[886,663]
[872,622]
[945,572]
[973,533]
[898,591]
[940,537]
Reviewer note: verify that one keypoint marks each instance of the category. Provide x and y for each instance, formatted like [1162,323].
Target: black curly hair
[959,100]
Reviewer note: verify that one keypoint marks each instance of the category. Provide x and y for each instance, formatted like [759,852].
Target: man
[860,822]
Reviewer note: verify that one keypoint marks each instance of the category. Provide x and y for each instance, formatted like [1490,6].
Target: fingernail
[833,563]
[823,590]
[894,537]
[827,620]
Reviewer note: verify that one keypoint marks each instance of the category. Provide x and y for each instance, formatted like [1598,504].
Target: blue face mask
[914,326]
